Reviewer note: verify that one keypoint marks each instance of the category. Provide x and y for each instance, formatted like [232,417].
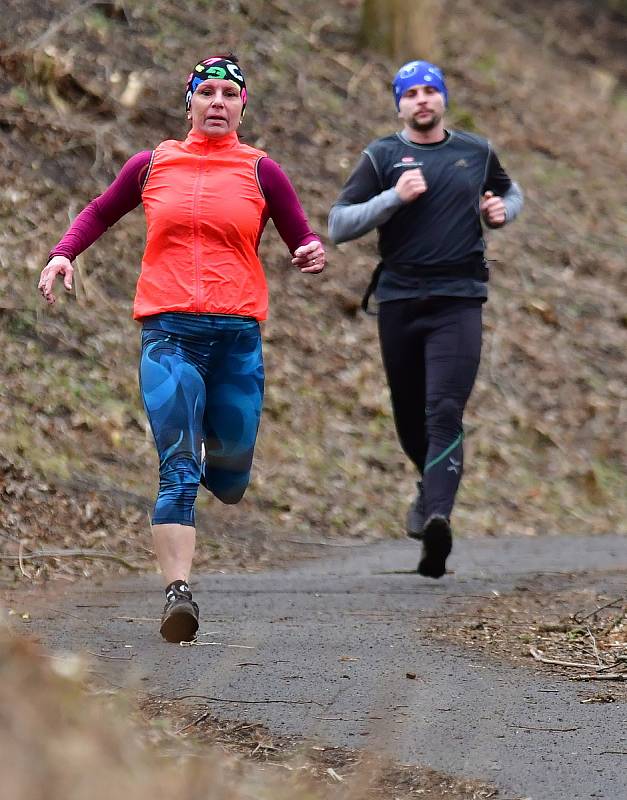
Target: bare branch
[540,657]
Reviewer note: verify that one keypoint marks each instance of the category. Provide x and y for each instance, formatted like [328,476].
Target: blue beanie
[418,73]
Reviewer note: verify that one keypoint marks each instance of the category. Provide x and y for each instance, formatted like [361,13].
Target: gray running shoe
[179,622]
[437,543]
[415,520]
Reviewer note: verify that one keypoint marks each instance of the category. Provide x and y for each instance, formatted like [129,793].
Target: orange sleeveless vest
[205,213]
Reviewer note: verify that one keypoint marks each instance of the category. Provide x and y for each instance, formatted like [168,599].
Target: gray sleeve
[498,181]
[348,222]
[513,201]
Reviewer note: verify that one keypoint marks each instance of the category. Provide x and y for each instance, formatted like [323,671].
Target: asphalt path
[323,650]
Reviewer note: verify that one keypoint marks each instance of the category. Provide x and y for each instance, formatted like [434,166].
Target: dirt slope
[83,88]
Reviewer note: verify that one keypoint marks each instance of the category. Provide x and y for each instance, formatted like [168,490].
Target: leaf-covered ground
[558,624]
[84,87]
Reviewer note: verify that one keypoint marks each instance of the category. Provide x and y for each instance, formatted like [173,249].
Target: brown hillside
[84,87]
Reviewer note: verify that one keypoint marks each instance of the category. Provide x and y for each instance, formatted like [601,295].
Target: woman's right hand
[58,265]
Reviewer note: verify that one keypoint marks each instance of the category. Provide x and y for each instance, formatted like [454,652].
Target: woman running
[200,297]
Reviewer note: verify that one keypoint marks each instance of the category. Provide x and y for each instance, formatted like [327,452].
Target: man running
[427,190]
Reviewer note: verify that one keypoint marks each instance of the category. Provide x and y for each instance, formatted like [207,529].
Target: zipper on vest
[196,229]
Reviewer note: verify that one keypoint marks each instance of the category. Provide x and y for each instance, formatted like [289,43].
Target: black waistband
[474,268]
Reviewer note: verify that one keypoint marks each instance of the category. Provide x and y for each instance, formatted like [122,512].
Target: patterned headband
[218,68]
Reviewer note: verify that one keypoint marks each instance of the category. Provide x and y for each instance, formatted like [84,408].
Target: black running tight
[431,350]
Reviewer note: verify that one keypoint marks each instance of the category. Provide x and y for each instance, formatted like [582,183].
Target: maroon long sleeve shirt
[124,194]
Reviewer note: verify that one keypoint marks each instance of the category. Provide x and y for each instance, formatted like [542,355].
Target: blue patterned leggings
[201,378]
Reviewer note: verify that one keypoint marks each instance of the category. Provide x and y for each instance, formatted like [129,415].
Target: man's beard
[428,125]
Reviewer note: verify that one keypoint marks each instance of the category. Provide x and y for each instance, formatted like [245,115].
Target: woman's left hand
[309,257]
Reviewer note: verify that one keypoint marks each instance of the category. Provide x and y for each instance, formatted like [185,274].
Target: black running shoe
[179,622]
[415,520]
[437,543]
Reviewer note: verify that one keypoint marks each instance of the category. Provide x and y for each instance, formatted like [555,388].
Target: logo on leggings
[454,465]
